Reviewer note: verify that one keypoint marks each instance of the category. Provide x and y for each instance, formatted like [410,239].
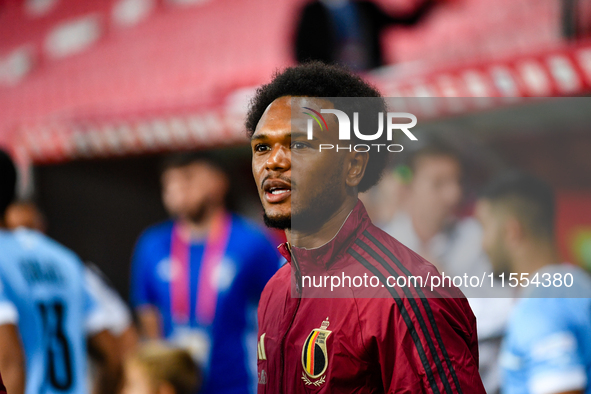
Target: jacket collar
[328,254]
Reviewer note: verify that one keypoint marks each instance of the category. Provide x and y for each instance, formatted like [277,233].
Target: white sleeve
[560,382]
[110,313]
[557,364]
[8,313]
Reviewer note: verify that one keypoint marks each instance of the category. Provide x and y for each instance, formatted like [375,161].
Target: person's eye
[261,147]
[299,145]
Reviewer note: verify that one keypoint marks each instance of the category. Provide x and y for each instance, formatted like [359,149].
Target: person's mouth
[276,190]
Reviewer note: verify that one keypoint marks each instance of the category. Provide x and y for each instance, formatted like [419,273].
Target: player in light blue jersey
[45,312]
[547,347]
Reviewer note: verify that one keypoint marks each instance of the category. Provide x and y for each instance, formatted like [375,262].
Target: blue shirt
[250,260]
[42,292]
[547,348]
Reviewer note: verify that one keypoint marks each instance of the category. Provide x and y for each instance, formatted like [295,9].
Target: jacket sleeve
[429,345]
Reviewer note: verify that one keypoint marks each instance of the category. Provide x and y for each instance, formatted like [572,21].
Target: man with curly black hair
[363,336]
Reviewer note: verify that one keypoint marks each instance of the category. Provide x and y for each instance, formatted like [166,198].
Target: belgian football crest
[315,356]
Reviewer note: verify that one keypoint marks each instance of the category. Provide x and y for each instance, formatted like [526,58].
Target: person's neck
[199,229]
[327,231]
[533,256]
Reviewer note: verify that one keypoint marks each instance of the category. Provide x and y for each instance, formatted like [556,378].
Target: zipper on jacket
[298,272]
[281,351]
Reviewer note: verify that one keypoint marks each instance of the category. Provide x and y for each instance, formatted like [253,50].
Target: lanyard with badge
[196,339]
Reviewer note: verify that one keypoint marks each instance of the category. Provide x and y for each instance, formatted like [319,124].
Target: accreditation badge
[315,355]
[195,340]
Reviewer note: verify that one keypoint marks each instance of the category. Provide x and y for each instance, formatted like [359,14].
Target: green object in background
[582,246]
[404,172]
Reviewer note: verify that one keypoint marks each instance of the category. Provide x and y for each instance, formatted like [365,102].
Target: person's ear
[356,169]
[166,388]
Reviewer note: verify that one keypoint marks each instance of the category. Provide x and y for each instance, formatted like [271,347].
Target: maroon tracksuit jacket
[403,341]
[2,388]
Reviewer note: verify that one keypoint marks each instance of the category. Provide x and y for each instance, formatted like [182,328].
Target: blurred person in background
[427,224]
[25,214]
[197,278]
[115,314]
[388,198]
[11,365]
[46,312]
[156,368]
[348,32]
[547,348]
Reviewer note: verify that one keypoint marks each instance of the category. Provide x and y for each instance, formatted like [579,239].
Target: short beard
[197,215]
[309,220]
[317,209]
[280,222]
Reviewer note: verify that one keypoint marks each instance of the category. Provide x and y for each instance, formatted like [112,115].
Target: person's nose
[279,159]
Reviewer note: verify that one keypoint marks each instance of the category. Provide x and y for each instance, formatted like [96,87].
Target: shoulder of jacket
[280,280]
[399,256]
